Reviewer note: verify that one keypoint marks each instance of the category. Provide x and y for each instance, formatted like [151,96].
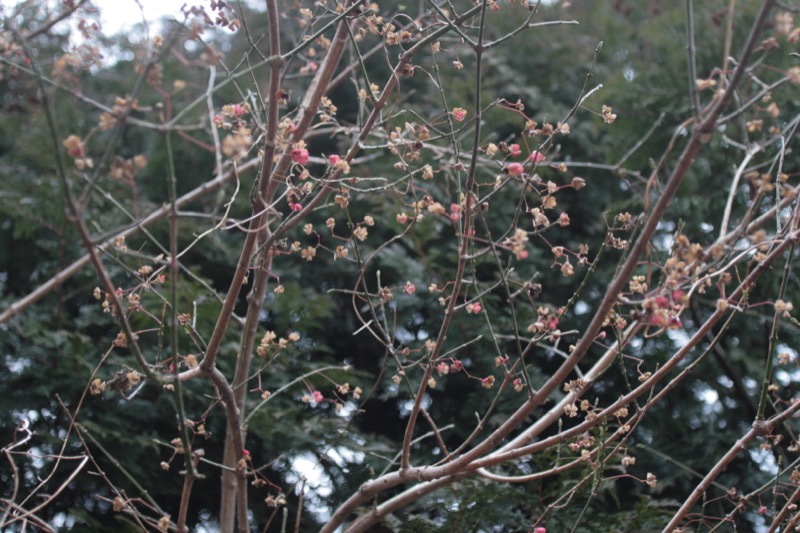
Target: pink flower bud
[536,157]
[409,288]
[515,150]
[476,307]
[299,156]
[333,159]
[76,151]
[455,212]
[515,169]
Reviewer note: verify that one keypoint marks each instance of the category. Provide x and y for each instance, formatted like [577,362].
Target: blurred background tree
[636,50]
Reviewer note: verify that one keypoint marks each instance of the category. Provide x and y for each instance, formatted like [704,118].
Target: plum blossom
[300,156]
[455,212]
[536,157]
[474,307]
[515,169]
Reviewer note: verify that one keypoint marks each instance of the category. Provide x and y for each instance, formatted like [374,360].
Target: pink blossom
[317,395]
[474,307]
[563,219]
[300,156]
[540,530]
[245,452]
[238,110]
[402,218]
[662,301]
[515,150]
[442,368]
[536,157]
[457,366]
[459,114]
[333,159]
[455,212]
[515,169]
[522,254]
[552,322]
[294,206]
[409,288]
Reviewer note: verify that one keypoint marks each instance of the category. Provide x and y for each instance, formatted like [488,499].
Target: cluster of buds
[584,441]
[271,344]
[125,170]
[547,323]
[517,243]
[76,150]
[663,310]
[240,138]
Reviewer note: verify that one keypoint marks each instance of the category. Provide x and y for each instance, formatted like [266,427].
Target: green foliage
[54,350]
